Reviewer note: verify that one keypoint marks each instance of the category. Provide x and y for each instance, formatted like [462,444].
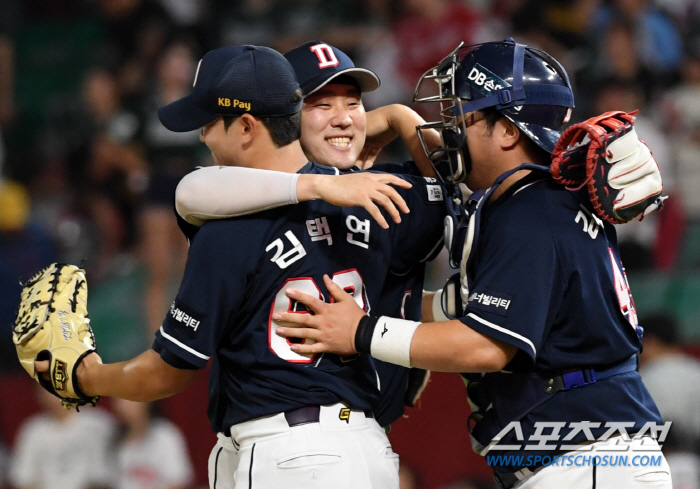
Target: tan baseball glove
[52,324]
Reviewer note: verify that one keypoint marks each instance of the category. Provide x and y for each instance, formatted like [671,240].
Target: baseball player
[296,420]
[333,133]
[545,331]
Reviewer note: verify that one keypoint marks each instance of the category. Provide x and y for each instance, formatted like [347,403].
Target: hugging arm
[219,192]
[385,123]
[445,346]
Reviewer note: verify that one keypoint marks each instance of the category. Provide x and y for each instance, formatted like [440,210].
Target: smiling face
[333,125]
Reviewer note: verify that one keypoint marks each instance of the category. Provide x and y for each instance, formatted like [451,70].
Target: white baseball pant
[343,450]
[649,470]
[223,461]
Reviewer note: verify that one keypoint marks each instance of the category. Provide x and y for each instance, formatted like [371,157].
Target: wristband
[438,312]
[363,334]
[391,340]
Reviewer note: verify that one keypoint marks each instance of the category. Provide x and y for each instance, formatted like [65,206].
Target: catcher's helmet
[525,84]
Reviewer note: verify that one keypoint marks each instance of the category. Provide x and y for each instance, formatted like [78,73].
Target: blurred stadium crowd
[87,172]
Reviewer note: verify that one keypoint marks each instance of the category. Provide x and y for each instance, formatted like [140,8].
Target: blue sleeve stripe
[182,345]
[505,331]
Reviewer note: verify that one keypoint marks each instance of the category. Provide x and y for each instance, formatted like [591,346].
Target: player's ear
[248,123]
[249,126]
[507,132]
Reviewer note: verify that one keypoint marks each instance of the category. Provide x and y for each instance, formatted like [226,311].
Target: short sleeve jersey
[546,277]
[236,276]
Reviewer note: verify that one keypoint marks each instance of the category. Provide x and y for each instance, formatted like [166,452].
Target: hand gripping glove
[622,176]
[52,324]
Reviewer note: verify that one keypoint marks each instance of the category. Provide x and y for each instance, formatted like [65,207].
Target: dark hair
[283,130]
[345,80]
[492,115]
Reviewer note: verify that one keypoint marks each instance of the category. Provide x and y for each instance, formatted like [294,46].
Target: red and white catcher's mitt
[605,154]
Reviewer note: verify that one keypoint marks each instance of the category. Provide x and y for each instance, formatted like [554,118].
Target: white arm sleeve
[218,192]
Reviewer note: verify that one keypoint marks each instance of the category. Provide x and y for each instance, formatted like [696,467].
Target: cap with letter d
[316,64]
[232,81]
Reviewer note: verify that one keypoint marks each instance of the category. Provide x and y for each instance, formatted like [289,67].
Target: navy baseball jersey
[236,276]
[401,297]
[546,277]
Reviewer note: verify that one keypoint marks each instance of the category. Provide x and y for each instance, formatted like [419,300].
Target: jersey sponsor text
[183,318]
[491,302]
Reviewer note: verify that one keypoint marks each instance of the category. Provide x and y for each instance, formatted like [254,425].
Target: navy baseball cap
[233,81]
[317,63]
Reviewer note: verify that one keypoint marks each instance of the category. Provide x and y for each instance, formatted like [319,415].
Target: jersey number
[348,280]
[624,295]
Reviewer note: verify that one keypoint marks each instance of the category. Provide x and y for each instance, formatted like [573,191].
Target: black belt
[302,415]
[308,414]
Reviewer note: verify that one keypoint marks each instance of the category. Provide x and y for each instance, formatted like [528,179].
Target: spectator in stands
[284,24]
[685,13]
[115,175]
[4,465]
[672,377]
[93,176]
[135,32]
[170,156]
[615,58]
[657,41]
[59,448]
[428,27]
[257,22]
[420,30]
[408,477]
[637,239]
[25,248]
[151,451]
[679,110]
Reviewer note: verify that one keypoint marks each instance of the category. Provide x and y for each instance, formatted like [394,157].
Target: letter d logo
[326,56]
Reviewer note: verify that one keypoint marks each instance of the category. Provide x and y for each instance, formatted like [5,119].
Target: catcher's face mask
[526,85]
